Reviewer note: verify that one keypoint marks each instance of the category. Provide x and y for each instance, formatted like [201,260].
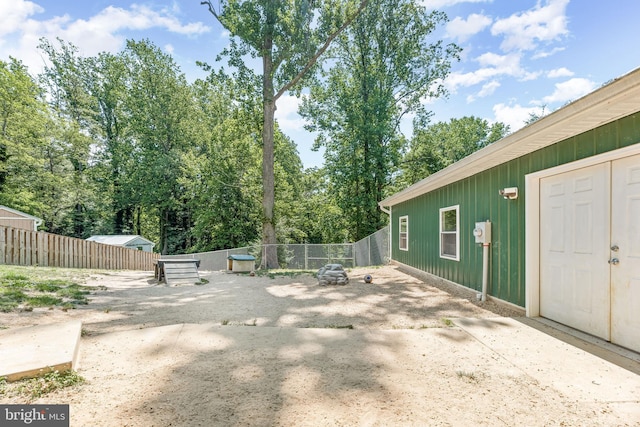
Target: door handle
[614,261]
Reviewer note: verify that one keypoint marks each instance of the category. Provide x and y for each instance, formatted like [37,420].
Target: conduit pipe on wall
[485,270]
[482,233]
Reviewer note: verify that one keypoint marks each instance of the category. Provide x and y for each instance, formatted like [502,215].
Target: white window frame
[455,208]
[404,218]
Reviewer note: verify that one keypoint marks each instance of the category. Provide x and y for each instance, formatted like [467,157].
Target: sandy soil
[260,351]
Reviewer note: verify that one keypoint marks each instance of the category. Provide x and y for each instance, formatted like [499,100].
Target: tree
[322,219]
[437,146]
[383,67]
[534,117]
[107,84]
[225,172]
[24,122]
[74,199]
[160,104]
[289,36]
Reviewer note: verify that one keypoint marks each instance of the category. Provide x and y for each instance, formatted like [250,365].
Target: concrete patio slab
[552,362]
[28,352]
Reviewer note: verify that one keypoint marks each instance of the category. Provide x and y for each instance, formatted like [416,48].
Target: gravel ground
[262,351]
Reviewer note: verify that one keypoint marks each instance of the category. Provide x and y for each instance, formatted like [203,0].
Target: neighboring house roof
[20,214]
[121,240]
[616,100]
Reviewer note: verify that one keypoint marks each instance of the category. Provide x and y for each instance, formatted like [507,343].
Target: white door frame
[532,219]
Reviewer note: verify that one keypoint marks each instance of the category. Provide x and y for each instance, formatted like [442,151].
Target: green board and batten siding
[479,200]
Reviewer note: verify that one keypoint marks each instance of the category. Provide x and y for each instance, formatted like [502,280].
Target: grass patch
[74,292]
[272,274]
[468,376]
[15,277]
[48,286]
[401,327]
[447,322]
[10,293]
[7,306]
[35,388]
[43,301]
[23,288]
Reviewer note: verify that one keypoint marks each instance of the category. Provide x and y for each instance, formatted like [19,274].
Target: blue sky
[518,55]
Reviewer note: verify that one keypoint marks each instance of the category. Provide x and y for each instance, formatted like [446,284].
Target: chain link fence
[372,250]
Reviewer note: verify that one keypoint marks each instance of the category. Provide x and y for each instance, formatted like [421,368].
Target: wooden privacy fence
[24,247]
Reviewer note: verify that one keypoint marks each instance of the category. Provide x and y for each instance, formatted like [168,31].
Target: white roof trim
[119,239]
[618,99]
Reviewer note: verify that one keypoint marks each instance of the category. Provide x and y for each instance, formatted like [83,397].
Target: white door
[625,244]
[574,239]
[590,250]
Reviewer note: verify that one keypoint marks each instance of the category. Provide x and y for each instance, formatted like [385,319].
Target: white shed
[125,240]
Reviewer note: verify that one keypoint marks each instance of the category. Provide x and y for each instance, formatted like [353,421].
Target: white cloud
[492,66]
[570,90]
[560,72]
[287,113]
[515,116]
[89,34]
[509,63]
[12,13]
[98,33]
[461,29]
[489,89]
[547,53]
[169,48]
[524,30]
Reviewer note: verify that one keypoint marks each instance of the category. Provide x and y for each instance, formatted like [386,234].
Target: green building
[562,196]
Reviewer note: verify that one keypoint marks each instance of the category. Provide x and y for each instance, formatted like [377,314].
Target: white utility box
[482,232]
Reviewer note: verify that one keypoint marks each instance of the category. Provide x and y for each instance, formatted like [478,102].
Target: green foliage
[289,36]
[43,301]
[23,128]
[122,143]
[10,299]
[74,292]
[29,291]
[384,65]
[437,146]
[15,277]
[34,388]
[48,287]
[224,175]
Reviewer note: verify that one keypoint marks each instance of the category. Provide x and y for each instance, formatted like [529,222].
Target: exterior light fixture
[509,193]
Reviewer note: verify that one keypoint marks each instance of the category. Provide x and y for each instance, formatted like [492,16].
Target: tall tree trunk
[270,258]
[138,221]
[164,225]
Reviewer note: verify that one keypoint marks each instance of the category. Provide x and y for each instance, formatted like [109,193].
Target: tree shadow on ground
[393,301]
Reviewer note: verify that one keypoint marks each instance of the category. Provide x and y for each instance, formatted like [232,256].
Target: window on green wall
[449,236]
[403,233]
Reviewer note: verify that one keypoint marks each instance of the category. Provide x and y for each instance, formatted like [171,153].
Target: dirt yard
[283,351]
